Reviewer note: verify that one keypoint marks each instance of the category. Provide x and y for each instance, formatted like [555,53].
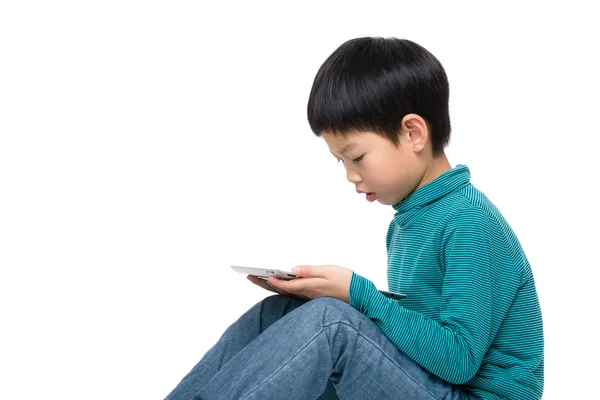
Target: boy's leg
[235,338]
[324,339]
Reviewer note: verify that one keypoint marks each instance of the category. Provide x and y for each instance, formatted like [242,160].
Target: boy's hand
[266,285]
[317,281]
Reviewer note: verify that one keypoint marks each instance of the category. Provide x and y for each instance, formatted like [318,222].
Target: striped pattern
[471,315]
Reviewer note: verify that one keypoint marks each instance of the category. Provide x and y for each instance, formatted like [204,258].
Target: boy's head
[388,100]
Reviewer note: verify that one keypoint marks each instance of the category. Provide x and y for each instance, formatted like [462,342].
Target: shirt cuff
[362,291]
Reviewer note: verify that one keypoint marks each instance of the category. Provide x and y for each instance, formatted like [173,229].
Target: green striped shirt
[471,315]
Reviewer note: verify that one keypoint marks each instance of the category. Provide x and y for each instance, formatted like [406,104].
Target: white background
[146,146]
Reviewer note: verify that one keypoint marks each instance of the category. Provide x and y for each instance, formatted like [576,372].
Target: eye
[357,159]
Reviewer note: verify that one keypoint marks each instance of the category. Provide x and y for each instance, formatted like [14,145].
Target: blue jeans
[286,348]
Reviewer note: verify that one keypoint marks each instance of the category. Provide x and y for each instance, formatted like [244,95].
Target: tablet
[265,273]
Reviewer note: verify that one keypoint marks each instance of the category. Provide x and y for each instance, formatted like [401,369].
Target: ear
[415,131]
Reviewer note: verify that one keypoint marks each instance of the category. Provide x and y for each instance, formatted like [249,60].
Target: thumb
[311,271]
[304,271]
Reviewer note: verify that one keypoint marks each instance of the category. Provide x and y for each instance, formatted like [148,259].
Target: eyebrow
[345,148]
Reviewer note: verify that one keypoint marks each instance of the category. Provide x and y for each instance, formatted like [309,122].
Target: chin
[388,203]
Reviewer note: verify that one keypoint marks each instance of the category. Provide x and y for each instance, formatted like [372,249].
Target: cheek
[378,177]
[388,176]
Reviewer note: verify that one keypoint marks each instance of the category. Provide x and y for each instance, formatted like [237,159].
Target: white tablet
[264,273]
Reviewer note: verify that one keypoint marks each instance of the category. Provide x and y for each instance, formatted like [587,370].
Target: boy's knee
[329,305]
[280,304]
[328,302]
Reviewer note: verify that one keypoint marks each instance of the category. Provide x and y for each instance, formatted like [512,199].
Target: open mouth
[369,195]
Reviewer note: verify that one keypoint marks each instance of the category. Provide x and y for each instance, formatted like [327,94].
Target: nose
[352,176]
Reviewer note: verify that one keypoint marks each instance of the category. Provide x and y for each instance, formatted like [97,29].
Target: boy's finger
[262,283]
[266,285]
[277,289]
[311,271]
[292,285]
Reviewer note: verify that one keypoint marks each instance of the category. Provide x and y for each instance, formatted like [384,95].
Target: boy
[470,326]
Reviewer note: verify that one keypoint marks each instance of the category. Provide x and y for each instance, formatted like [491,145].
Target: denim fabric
[286,348]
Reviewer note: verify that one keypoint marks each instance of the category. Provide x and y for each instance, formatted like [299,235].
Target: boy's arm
[479,285]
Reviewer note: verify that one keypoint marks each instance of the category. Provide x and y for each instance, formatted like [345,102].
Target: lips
[369,195]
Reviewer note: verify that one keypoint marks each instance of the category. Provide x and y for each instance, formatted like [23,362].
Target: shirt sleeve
[478,288]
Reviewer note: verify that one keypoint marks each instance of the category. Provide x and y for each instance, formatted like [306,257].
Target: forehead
[340,144]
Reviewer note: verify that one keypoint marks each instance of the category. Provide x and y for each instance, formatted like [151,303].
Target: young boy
[470,326]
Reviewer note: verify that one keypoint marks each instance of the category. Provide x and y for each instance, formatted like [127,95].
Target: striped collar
[444,184]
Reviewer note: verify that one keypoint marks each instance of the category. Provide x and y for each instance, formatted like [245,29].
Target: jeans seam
[385,355]
[281,367]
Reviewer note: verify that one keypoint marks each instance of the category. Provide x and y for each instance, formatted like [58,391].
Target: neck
[438,165]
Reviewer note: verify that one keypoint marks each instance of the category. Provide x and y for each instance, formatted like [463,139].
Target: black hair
[371,83]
